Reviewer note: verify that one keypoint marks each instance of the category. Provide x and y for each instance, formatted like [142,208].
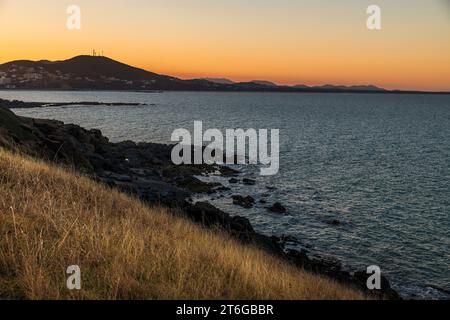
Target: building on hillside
[4,80]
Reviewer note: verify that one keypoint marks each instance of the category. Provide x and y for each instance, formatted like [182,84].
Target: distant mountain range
[102,73]
[219,80]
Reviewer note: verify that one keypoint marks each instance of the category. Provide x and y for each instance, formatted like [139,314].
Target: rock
[242,224]
[208,215]
[245,202]
[238,227]
[197,186]
[15,104]
[98,162]
[288,239]
[266,243]
[227,171]
[332,268]
[299,258]
[249,182]
[223,189]
[437,288]
[386,292]
[326,265]
[278,208]
[333,222]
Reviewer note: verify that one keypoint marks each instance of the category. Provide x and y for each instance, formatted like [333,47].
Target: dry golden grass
[51,219]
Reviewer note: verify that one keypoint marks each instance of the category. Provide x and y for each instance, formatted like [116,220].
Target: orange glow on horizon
[286,42]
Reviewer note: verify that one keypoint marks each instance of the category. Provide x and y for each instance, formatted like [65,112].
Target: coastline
[156,91]
[145,170]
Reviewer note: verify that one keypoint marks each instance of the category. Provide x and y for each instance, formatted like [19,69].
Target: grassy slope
[50,219]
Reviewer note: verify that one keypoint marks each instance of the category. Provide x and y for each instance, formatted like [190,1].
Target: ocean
[365,177]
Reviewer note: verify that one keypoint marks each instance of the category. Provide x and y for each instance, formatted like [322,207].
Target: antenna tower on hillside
[96,54]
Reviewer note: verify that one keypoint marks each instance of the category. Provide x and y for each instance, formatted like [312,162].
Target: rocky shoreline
[145,170]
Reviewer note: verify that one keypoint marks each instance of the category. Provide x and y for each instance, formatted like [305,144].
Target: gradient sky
[285,41]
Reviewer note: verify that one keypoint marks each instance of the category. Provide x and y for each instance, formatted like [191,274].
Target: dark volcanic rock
[221,189]
[197,186]
[333,222]
[278,208]
[437,288]
[245,202]
[332,268]
[142,169]
[249,182]
[239,227]
[385,292]
[14,104]
[285,239]
[208,215]
[227,171]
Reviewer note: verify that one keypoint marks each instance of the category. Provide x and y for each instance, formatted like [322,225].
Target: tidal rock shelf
[15,104]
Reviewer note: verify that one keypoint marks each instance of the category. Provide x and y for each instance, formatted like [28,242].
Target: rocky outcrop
[277,208]
[332,268]
[249,182]
[143,169]
[245,202]
[15,104]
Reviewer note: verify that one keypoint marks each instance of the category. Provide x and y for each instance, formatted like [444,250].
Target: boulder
[277,208]
[245,202]
[249,182]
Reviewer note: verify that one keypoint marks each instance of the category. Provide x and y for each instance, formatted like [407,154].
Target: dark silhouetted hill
[102,73]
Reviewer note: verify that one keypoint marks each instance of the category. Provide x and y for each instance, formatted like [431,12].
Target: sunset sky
[285,41]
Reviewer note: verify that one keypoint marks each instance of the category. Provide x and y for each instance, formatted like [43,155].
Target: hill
[86,72]
[362,88]
[102,73]
[219,80]
[85,66]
